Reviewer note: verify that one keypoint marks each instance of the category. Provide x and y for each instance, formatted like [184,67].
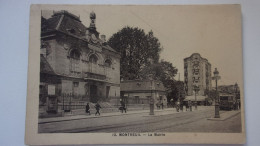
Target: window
[108,63]
[74,54]
[74,61]
[93,58]
[75,84]
[137,99]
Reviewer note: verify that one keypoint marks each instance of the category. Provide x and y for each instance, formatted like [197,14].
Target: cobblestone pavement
[163,121]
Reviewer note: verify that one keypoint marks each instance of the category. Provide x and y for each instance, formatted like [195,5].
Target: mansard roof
[65,22]
[69,24]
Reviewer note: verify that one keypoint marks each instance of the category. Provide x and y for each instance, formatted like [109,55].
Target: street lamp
[151,102]
[216,78]
[196,89]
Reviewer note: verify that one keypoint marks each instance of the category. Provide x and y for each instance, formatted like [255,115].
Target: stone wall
[75,79]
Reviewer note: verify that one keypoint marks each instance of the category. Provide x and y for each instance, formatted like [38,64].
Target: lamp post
[151,102]
[216,78]
[196,89]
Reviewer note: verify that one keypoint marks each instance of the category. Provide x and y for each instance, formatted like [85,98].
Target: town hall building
[76,61]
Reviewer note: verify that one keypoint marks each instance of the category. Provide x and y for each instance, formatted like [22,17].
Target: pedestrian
[186,105]
[87,108]
[190,105]
[158,105]
[178,106]
[172,103]
[123,107]
[181,106]
[237,108]
[162,105]
[98,107]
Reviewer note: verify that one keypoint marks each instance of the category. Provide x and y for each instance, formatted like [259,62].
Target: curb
[225,118]
[90,117]
[117,114]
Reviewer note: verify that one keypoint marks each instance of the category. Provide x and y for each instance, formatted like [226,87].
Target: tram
[226,101]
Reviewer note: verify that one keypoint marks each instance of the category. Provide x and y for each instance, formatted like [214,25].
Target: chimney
[103,38]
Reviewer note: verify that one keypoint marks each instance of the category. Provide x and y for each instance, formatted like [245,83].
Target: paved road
[168,121]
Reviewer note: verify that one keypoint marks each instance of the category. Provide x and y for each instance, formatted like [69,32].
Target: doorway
[93,93]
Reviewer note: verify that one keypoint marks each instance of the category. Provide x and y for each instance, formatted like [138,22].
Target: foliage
[162,71]
[137,50]
[140,57]
[211,94]
[176,91]
[165,72]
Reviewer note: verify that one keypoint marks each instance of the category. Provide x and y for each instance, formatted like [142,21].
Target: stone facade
[197,71]
[82,62]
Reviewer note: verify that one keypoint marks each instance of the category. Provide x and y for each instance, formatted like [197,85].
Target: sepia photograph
[133,74]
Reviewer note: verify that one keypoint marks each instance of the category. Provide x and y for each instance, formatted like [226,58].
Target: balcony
[93,76]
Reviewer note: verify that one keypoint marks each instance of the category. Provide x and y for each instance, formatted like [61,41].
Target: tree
[165,72]
[177,91]
[140,57]
[137,50]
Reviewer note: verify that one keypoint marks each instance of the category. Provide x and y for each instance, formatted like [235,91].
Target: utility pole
[216,78]
[152,98]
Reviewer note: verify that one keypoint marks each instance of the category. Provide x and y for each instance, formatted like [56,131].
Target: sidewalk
[165,111]
[226,115]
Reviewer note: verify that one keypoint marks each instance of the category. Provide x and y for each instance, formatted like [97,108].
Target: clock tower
[91,33]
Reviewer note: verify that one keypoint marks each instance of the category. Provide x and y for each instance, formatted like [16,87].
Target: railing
[68,106]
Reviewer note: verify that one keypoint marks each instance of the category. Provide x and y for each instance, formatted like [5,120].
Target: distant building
[141,91]
[197,72]
[229,89]
[76,61]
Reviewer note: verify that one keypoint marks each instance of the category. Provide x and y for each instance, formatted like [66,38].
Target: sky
[213,31]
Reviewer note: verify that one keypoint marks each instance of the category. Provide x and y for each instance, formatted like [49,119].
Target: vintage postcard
[128,74]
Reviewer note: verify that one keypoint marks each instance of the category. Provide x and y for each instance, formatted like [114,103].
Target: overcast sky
[212,31]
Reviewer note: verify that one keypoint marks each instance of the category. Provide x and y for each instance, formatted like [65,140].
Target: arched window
[74,54]
[93,59]
[75,61]
[108,63]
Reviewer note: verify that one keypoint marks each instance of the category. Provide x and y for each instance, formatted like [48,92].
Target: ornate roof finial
[92,16]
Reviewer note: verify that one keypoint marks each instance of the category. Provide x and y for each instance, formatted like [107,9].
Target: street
[167,120]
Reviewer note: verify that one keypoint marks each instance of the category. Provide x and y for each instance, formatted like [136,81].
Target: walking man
[172,103]
[123,107]
[162,105]
[187,106]
[190,105]
[87,108]
[178,105]
[181,106]
[98,107]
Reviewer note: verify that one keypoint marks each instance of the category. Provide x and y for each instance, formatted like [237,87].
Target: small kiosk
[52,100]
